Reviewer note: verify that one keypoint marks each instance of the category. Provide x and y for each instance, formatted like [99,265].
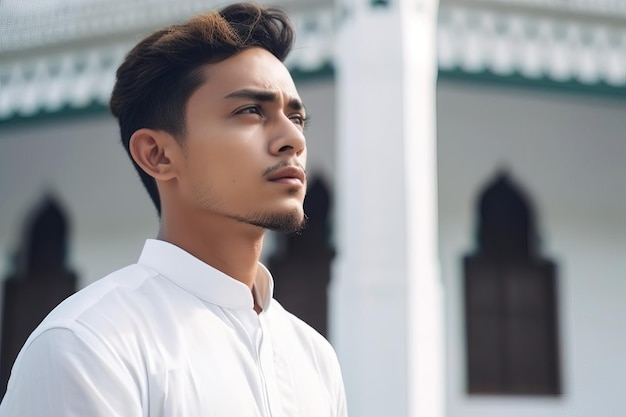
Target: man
[214,125]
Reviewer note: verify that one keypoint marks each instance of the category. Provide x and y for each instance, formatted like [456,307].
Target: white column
[386,301]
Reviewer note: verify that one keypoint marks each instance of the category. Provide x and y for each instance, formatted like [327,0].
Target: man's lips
[288,175]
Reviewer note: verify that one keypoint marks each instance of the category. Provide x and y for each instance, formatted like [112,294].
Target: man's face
[244,148]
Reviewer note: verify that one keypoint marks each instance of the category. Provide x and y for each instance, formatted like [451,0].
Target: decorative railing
[53,58]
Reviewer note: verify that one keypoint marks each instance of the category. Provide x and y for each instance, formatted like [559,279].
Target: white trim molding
[563,50]
[63,54]
[612,8]
[67,74]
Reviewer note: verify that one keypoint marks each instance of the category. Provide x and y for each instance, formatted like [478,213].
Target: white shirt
[173,337]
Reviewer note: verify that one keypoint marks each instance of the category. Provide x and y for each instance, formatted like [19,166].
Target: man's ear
[154,151]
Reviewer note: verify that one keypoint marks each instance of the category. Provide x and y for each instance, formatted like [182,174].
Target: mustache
[282,164]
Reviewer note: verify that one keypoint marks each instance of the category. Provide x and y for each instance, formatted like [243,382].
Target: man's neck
[230,246]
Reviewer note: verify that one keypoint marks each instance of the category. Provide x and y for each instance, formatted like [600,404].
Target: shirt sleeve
[60,374]
[332,371]
[342,406]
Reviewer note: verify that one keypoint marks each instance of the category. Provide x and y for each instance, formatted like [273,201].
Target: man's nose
[288,139]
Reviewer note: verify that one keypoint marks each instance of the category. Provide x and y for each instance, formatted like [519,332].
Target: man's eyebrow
[296,104]
[264,96]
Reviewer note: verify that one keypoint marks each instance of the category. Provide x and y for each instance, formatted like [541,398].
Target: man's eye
[298,119]
[250,110]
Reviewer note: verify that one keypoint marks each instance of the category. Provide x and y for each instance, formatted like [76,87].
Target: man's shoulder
[101,297]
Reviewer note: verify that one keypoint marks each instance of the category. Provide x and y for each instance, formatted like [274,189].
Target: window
[510,300]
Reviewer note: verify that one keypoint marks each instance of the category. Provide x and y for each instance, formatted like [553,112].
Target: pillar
[386,301]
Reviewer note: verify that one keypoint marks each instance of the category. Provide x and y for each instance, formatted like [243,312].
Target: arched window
[40,281]
[510,300]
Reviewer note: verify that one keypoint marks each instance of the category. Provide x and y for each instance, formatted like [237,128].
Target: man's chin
[291,222]
[290,227]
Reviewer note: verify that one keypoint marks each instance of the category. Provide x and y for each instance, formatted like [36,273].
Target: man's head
[207,108]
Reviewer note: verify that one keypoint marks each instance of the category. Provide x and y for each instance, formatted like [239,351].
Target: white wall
[567,151]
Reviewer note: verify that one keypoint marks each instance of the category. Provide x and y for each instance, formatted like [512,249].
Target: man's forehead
[253,68]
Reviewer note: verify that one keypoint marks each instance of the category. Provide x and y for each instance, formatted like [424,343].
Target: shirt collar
[204,281]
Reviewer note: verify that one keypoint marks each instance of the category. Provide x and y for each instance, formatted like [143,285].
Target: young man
[213,123]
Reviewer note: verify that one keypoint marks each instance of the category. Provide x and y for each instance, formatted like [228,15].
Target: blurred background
[530,179]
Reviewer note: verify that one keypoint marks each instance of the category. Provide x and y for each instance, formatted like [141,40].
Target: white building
[536,87]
